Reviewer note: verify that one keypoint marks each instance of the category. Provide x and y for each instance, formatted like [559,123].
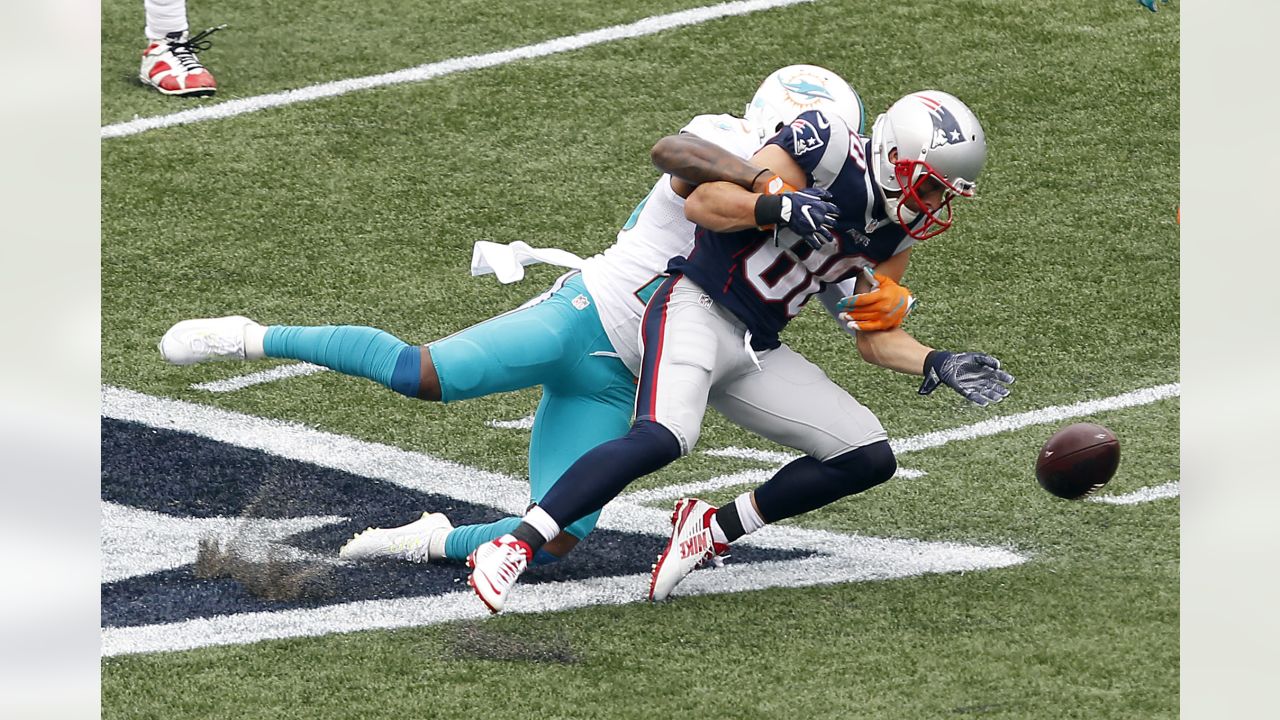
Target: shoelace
[513,563]
[215,343]
[185,50]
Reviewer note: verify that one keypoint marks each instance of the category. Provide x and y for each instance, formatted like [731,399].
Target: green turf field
[362,209]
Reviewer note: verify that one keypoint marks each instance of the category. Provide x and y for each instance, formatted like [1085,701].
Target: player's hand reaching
[808,213]
[976,376]
[884,307]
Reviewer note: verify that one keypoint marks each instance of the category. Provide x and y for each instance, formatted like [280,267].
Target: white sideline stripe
[640,28]
[1042,416]
[276,373]
[1146,494]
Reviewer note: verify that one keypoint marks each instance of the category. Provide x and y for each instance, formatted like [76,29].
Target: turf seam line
[646,26]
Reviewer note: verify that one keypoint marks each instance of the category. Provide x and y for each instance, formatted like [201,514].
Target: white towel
[507,262]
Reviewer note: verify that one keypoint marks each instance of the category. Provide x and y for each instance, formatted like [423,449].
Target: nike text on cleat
[204,339]
[690,546]
[170,65]
[495,566]
[407,542]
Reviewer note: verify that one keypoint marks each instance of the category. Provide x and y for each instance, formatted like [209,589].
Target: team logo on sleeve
[804,136]
[946,128]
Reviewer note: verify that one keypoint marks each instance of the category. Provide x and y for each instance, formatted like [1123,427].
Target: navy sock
[598,477]
[807,484]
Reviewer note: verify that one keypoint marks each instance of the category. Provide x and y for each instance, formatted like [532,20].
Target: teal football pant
[555,341]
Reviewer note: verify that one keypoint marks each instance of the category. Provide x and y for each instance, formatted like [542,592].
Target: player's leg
[565,428]
[587,399]
[683,336]
[792,402]
[169,62]
[587,403]
[518,349]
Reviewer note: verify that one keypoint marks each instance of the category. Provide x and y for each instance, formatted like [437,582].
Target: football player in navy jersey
[710,331]
[579,341]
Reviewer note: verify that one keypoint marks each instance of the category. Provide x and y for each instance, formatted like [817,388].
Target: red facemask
[935,223]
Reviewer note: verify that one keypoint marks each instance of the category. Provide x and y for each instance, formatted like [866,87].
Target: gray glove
[976,376]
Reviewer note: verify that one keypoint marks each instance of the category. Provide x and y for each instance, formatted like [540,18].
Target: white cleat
[495,566]
[690,546]
[420,541]
[204,339]
[170,65]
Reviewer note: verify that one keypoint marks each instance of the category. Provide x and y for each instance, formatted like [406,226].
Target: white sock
[254,335]
[747,513]
[164,17]
[435,544]
[542,522]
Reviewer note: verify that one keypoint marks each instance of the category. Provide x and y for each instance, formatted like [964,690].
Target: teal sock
[350,349]
[463,540]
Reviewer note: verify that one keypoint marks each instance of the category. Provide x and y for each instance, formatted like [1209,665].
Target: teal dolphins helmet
[797,88]
[936,137]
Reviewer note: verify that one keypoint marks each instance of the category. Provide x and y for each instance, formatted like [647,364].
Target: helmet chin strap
[902,214]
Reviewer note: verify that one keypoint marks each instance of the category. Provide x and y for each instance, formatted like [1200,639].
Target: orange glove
[884,307]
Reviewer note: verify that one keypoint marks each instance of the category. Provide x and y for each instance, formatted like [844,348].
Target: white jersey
[622,277]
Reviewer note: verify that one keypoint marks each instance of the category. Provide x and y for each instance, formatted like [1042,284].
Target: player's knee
[662,443]
[867,466]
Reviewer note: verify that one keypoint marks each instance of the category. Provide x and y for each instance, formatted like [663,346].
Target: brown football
[1077,460]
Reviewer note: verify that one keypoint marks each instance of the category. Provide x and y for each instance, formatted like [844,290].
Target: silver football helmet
[797,88]
[936,137]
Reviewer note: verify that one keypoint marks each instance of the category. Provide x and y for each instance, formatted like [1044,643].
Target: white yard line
[1144,495]
[640,28]
[1055,413]
[241,382]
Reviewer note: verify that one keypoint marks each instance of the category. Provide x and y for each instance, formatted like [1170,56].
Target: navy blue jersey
[765,278]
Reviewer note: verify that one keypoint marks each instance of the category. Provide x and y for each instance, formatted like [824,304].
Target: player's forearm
[722,207]
[893,349]
[697,161]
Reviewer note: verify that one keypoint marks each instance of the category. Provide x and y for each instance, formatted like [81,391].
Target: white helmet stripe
[834,155]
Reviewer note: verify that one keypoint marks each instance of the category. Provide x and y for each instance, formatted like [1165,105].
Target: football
[1077,460]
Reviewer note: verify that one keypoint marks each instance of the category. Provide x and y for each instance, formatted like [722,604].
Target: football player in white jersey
[579,340]
[710,333]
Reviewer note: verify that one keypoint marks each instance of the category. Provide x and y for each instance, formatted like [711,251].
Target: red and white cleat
[690,546]
[495,567]
[171,66]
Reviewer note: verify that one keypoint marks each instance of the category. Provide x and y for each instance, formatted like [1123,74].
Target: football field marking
[640,28]
[1055,413]
[241,382]
[1144,495]
[836,558]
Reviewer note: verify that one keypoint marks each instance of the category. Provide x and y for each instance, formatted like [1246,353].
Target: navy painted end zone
[188,476]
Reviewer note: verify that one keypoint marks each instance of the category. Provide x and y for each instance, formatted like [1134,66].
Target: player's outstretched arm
[978,377]
[692,161]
